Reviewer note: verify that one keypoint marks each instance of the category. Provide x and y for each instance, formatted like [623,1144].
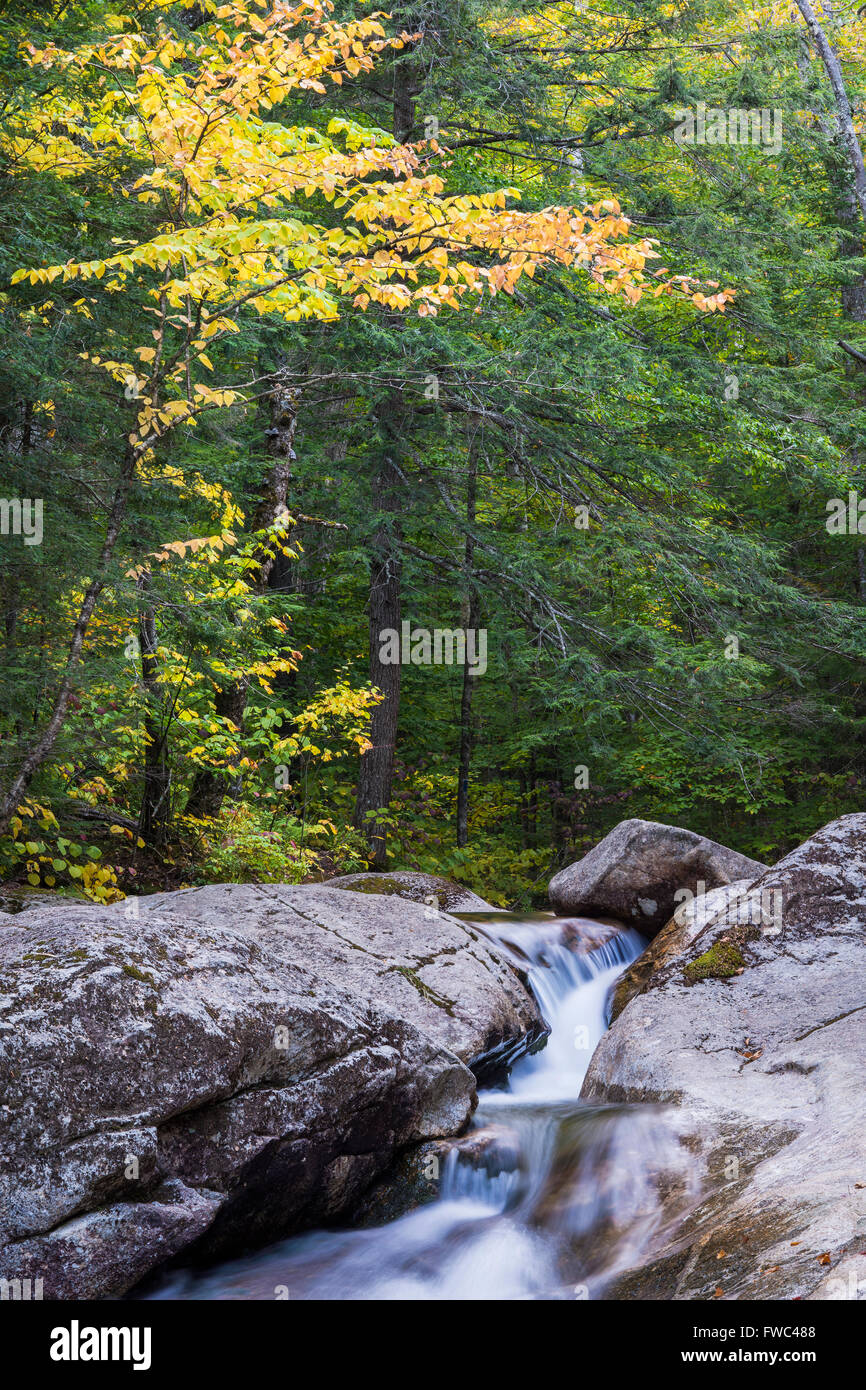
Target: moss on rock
[723,960]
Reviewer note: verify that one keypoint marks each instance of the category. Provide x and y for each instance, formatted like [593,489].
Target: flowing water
[549,1199]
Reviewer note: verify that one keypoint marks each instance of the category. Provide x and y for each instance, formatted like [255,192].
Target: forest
[429,436]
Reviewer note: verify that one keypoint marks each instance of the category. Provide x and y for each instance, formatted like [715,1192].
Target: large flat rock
[420,964]
[208,1069]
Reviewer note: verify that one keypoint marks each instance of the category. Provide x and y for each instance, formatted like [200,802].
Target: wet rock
[199,1072]
[417,1176]
[582,935]
[536,939]
[766,1066]
[614,1174]
[417,888]
[636,872]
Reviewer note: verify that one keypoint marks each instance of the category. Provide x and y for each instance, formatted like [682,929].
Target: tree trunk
[472,609]
[854,308]
[154,800]
[210,785]
[406,84]
[377,764]
[843,106]
[853,294]
[281,449]
[532,802]
[36,756]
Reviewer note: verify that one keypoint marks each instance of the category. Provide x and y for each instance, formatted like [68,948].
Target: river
[556,1199]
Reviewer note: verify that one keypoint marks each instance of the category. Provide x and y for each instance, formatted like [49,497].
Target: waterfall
[562,1197]
[571,987]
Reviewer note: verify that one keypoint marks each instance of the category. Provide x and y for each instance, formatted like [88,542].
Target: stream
[553,1199]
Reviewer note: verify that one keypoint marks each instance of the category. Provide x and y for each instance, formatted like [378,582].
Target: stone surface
[105,1252]
[766,1067]
[687,922]
[18,897]
[417,888]
[636,871]
[443,975]
[224,1066]
[417,1176]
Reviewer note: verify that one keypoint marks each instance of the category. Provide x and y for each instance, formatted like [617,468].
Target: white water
[564,1197]
[572,988]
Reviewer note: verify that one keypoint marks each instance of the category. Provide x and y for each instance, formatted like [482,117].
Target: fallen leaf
[825,1258]
[721,1255]
[717,1294]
